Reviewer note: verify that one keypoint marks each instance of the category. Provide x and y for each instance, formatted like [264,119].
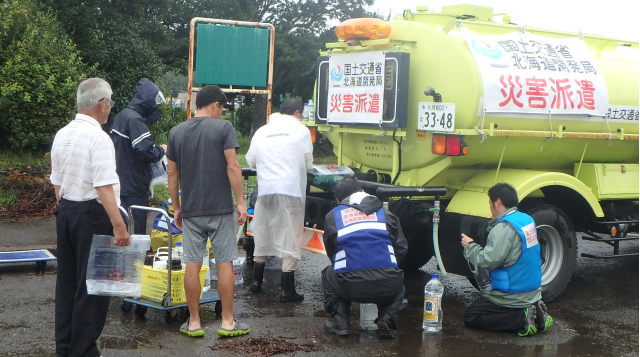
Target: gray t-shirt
[197,146]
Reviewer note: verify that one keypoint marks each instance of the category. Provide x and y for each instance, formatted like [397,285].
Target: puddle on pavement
[123,343]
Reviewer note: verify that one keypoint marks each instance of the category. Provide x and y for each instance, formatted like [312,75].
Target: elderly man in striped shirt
[83,172]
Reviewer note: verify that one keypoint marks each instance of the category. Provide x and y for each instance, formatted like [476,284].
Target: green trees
[120,39]
[48,46]
[39,71]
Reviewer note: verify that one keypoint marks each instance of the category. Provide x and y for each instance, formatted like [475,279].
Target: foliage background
[48,46]
[39,70]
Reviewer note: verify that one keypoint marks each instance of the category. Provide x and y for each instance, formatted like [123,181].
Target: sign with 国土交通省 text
[356,88]
[526,73]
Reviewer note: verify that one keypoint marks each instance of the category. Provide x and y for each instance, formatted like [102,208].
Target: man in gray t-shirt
[202,164]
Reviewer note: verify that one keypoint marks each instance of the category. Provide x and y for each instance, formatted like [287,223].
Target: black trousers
[485,315]
[139,216]
[79,318]
[386,292]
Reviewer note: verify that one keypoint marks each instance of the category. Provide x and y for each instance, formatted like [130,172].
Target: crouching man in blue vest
[511,299]
[365,244]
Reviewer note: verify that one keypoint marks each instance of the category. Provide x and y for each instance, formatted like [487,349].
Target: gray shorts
[220,228]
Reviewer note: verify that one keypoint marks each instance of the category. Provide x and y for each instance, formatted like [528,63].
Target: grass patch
[9,197]
[243,142]
[160,195]
[13,159]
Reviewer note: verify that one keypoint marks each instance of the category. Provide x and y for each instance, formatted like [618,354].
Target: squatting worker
[202,163]
[135,149]
[83,173]
[281,152]
[365,244]
[511,256]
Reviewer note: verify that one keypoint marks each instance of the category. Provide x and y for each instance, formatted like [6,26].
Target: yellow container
[154,284]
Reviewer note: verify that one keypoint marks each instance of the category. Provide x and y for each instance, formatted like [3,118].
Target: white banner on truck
[527,73]
[356,88]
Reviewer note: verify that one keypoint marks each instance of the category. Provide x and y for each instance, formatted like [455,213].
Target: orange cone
[315,243]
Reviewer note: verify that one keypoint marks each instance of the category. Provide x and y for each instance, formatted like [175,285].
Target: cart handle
[165,302]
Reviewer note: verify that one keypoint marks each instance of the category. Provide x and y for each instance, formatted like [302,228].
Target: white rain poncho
[281,152]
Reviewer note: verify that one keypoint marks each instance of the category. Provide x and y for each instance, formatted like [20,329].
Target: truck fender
[471,197]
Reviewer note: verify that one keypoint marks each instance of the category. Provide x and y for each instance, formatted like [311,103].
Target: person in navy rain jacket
[135,148]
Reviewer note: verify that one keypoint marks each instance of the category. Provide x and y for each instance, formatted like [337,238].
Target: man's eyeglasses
[112,103]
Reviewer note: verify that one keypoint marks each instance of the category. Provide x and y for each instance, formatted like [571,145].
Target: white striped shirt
[83,158]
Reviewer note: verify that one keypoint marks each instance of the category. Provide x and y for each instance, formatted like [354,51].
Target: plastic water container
[113,270]
[237,270]
[482,278]
[273,263]
[213,270]
[207,278]
[368,315]
[178,253]
[432,312]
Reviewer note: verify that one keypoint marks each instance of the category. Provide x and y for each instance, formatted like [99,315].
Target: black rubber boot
[258,273]
[287,284]
[249,245]
[386,328]
[340,322]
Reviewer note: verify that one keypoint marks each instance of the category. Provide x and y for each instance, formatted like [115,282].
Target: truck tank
[441,58]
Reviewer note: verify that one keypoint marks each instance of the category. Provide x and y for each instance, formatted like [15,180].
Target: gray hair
[91,91]
[290,105]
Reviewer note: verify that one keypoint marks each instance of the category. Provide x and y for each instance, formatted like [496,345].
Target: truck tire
[419,253]
[558,247]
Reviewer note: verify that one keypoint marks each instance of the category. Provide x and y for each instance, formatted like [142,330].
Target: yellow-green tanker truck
[432,109]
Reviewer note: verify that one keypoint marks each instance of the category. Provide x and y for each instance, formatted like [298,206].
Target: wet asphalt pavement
[596,316]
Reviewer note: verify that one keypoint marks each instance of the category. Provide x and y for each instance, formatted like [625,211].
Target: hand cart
[171,310]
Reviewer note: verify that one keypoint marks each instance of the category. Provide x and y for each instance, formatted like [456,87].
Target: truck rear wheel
[558,247]
[419,252]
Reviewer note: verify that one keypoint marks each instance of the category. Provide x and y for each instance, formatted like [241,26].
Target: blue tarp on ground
[26,256]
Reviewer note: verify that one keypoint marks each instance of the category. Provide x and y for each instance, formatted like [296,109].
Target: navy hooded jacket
[135,150]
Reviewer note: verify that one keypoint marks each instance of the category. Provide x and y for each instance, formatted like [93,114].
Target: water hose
[436,244]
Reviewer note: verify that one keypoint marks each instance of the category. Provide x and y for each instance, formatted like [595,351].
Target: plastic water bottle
[368,314]
[178,252]
[305,112]
[311,110]
[237,271]
[432,312]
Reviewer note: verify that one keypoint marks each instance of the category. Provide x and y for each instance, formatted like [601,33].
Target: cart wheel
[126,306]
[218,309]
[140,310]
[171,316]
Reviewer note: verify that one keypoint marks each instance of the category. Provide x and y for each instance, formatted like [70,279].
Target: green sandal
[192,333]
[238,330]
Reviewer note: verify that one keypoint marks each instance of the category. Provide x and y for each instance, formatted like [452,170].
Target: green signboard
[230,55]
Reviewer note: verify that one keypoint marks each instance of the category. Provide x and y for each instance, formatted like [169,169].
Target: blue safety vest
[526,273]
[363,240]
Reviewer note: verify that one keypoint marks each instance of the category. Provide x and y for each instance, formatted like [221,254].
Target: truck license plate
[436,116]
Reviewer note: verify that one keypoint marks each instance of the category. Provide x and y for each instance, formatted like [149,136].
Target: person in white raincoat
[281,152]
